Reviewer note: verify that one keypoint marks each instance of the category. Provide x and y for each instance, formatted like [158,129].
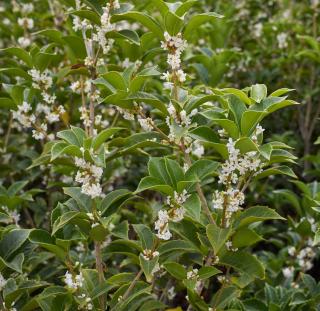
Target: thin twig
[133,283]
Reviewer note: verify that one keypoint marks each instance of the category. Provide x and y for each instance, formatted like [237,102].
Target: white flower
[193,274]
[149,254]
[126,113]
[171,293]
[257,30]
[181,75]
[40,80]
[26,22]
[75,86]
[174,61]
[288,272]
[230,247]
[3,282]
[197,149]
[282,40]
[166,76]
[70,281]
[92,190]
[291,250]
[177,214]
[146,123]
[89,175]
[40,132]
[24,42]
[162,225]
[173,42]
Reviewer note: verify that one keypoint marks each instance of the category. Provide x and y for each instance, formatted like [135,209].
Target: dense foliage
[153,155]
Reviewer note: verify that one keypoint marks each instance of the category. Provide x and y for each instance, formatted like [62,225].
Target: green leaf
[174,171]
[98,233]
[230,127]
[145,236]
[276,170]
[207,272]
[104,135]
[45,240]
[157,169]
[242,95]
[245,237]
[151,183]
[83,201]
[70,137]
[202,168]
[15,264]
[62,148]
[173,23]
[255,214]
[12,241]
[148,266]
[142,18]
[197,20]
[127,34]
[113,201]
[67,218]
[258,92]
[249,121]
[172,247]
[245,144]
[89,15]
[217,236]
[243,262]
[176,270]
[193,207]
[7,103]
[19,53]
[237,108]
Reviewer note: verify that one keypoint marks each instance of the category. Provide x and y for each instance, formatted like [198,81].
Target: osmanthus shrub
[143,170]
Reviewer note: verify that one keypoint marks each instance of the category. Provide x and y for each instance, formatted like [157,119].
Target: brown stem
[30,220]
[201,195]
[135,280]
[99,267]
[6,138]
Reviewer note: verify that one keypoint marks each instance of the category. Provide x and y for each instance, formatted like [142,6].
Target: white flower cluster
[146,124]
[235,166]
[175,214]
[41,81]
[180,119]
[231,200]
[106,26]
[149,254]
[162,225]
[126,113]
[99,32]
[238,165]
[13,215]
[175,45]
[87,302]
[27,118]
[282,40]
[193,275]
[230,247]
[73,282]
[26,23]
[89,176]
[258,131]
[304,256]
